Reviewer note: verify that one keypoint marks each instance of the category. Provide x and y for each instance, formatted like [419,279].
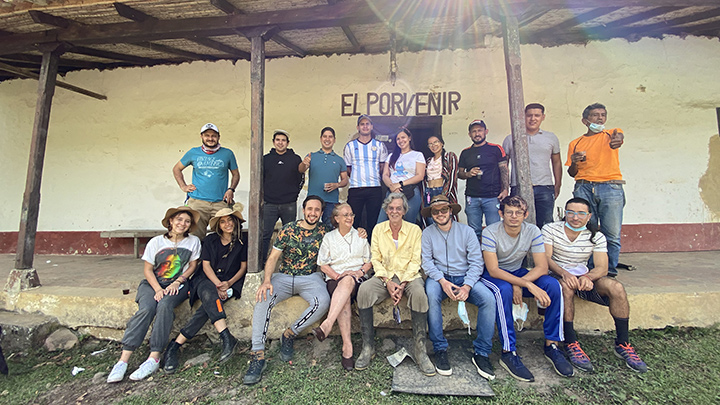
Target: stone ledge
[104,312]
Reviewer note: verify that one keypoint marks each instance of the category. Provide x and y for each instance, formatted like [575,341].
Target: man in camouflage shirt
[298,243]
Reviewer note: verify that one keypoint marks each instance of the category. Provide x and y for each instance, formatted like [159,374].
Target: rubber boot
[368,335]
[419,326]
[228,342]
[171,357]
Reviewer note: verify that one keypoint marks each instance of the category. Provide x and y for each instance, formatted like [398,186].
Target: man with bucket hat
[209,190]
[452,261]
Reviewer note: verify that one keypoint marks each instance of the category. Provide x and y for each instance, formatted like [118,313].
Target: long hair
[169,227]
[396,151]
[593,228]
[236,235]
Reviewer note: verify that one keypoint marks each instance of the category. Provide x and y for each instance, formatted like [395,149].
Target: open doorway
[422,128]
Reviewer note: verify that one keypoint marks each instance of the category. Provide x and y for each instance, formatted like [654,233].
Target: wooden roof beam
[139,16]
[63,62]
[228,8]
[174,51]
[28,74]
[98,53]
[659,28]
[576,20]
[348,33]
[631,19]
[49,19]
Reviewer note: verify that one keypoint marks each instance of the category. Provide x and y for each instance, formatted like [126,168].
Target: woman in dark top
[224,263]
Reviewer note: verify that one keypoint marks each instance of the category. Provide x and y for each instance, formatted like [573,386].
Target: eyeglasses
[347,215]
[395,208]
[581,214]
[434,143]
[519,213]
[443,210]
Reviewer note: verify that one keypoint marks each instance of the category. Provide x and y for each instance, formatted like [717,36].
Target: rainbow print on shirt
[170,262]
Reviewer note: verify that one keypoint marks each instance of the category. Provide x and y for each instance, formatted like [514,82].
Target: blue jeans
[476,207]
[430,192]
[271,213]
[479,296]
[413,208]
[327,213]
[606,205]
[544,203]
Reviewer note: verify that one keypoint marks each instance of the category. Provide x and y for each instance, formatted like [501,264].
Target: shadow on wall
[709,183]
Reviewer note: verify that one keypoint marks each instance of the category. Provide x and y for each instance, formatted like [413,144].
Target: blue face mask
[596,128]
[582,228]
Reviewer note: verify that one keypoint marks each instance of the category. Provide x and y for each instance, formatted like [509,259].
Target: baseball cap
[477,122]
[364,116]
[209,126]
[281,131]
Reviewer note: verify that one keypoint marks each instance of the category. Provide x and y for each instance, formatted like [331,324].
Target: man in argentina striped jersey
[569,244]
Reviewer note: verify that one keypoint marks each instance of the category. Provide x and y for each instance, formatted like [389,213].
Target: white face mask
[596,128]
[462,313]
[520,313]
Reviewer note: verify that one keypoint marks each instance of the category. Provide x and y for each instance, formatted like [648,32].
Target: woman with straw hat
[170,259]
[224,264]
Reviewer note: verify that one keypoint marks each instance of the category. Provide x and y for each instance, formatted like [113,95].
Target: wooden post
[513,67]
[24,276]
[257,118]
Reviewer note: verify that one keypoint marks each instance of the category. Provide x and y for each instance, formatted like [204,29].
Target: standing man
[396,260]
[484,165]
[326,167]
[452,261]
[568,246]
[594,163]
[364,157]
[281,186]
[209,192]
[298,275]
[545,164]
[505,244]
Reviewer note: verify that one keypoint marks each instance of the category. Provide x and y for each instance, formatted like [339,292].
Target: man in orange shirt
[594,163]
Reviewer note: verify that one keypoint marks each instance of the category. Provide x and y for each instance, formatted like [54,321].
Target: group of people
[331,259]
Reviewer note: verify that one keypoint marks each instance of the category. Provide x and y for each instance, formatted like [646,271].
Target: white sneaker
[118,372]
[148,367]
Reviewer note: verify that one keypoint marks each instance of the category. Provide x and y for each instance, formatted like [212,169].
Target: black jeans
[369,199]
[211,308]
[271,212]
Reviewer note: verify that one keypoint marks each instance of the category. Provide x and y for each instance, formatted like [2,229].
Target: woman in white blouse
[404,172]
[344,257]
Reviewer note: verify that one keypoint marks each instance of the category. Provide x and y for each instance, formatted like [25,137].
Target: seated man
[568,246]
[452,261]
[505,244]
[395,249]
[298,275]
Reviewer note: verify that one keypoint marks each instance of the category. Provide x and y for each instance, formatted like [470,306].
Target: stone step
[22,331]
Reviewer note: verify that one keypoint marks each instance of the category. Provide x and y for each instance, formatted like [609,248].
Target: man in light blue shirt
[326,168]
[209,191]
[453,263]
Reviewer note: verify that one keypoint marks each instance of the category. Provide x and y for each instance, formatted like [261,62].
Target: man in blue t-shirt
[326,167]
[209,191]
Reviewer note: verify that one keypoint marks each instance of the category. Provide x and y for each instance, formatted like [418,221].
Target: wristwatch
[402,184]
[384,282]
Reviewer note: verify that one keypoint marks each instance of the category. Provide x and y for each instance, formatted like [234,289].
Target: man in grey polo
[545,164]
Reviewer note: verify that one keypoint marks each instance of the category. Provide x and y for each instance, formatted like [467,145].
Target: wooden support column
[24,275]
[513,67]
[257,118]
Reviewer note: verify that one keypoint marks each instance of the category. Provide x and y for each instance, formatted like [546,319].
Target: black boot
[171,357]
[419,324]
[228,345]
[368,335]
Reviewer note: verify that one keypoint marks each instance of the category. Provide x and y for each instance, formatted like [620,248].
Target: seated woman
[344,257]
[440,174]
[403,173]
[224,264]
[170,259]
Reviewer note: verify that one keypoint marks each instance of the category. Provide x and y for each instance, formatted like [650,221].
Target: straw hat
[194,215]
[224,212]
[439,200]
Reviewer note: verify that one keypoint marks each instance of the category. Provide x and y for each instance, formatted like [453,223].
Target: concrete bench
[136,234]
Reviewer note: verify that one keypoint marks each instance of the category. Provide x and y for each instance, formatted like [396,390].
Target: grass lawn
[684,368]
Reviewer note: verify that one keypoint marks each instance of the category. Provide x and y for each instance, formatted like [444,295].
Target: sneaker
[627,353]
[510,361]
[577,357]
[484,367]
[118,372]
[146,369]
[442,364]
[287,341]
[256,368]
[560,364]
